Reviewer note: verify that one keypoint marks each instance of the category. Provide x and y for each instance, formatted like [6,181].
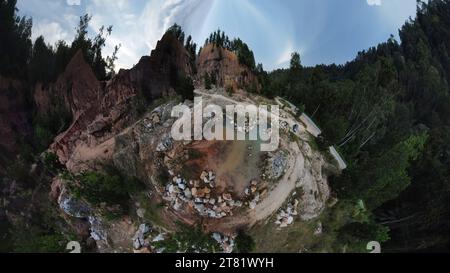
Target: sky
[322,31]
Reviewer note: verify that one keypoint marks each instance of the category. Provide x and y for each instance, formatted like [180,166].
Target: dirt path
[270,204]
[310,126]
[286,185]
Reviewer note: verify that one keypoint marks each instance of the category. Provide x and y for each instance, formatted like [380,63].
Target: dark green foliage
[241,49]
[207,80]
[359,234]
[218,38]
[163,176]
[375,109]
[110,187]
[48,125]
[245,55]
[35,241]
[189,239]
[42,56]
[45,232]
[213,79]
[185,87]
[92,48]
[194,154]
[40,62]
[19,170]
[229,90]
[51,162]
[244,242]
[381,178]
[178,32]
[296,64]
[15,40]
[190,46]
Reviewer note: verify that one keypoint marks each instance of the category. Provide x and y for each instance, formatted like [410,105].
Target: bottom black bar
[225,263]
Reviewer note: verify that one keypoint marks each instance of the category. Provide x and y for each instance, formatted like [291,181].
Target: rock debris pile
[225,242]
[201,195]
[285,217]
[254,194]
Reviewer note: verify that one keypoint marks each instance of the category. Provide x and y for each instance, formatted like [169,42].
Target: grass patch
[346,228]
[188,240]
[194,154]
[162,177]
[152,209]
[110,187]
[161,101]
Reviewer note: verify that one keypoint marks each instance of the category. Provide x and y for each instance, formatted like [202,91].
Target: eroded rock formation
[223,65]
[102,109]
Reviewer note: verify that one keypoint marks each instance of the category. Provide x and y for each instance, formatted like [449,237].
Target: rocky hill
[119,181]
[101,109]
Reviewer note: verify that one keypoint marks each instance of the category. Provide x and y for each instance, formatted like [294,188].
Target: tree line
[388,112]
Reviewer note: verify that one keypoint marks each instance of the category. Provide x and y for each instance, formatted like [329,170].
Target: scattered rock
[139,237]
[227,197]
[166,144]
[140,213]
[276,164]
[160,237]
[188,193]
[72,206]
[285,217]
[225,242]
[319,229]
[97,231]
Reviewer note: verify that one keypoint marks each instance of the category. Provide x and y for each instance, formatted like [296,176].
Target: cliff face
[102,109]
[14,116]
[224,66]
[77,87]
[155,75]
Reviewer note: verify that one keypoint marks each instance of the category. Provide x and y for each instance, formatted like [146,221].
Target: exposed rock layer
[224,66]
[100,110]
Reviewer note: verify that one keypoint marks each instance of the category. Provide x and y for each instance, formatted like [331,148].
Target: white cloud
[374,2]
[159,15]
[285,56]
[52,31]
[139,29]
[73,2]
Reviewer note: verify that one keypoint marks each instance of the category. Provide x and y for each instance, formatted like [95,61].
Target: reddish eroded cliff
[224,66]
[102,109]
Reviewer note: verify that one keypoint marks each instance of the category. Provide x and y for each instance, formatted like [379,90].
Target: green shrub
[51,162]
[357,235]
[244,243]
[53,243]
[189,239]
[207,81]
[185,87]
[110,187]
